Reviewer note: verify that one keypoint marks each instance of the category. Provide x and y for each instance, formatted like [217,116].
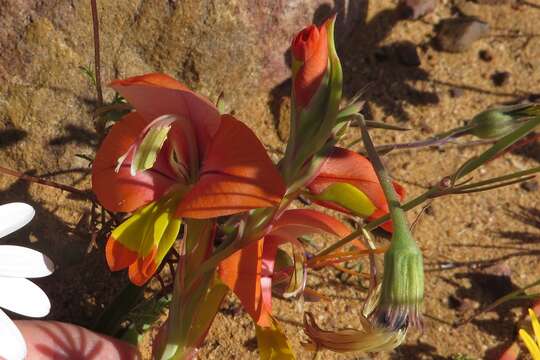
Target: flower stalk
[402,289]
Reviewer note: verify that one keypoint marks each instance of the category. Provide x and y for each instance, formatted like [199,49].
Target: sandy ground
[467,240]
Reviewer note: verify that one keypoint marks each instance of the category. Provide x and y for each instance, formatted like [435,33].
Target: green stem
[109,321]
[511,296]
[399,219]
[501,145]
[500,178]
[376,223]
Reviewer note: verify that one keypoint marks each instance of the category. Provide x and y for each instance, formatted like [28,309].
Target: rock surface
[237,47]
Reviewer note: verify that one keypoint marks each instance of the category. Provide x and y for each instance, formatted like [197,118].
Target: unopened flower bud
[498,122]
[310,61]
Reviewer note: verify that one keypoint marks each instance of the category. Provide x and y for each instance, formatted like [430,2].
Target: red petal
[345,166]
[153,95]
[237,175]
[309,76]
[121,191]
[242,273]
[118,256]
[142,270]
[298,222]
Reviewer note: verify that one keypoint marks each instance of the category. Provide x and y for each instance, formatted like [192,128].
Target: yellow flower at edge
[532,344]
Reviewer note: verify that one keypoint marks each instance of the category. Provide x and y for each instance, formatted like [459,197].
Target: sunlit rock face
[238,47]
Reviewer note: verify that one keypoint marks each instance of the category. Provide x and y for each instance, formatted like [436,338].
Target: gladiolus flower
[17,294]
[248,272]
[175,157]
[348,183]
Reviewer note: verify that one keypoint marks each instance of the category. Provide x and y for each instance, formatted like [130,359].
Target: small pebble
[530,186]
[414,9]
[485,55]
[406,54]
[457,35]
[456,92]
[493,2]
[500,78]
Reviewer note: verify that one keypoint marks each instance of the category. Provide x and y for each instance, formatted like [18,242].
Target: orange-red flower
[175,157]
[248,272]
[310,51]
[347,182]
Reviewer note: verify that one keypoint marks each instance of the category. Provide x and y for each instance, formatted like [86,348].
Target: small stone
[492,2]
[496,281]
[485,55]
[382,54]
[456,92]
[457,35]
[406,54]
[500,78]
[414,9]
[530,186]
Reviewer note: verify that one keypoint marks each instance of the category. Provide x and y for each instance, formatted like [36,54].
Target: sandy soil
[467,240]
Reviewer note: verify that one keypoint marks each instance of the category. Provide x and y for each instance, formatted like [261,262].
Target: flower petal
[12,344]
[272,343]
[118,190]
[18,261]
[345,166]
[13,216]
[237,175]
[142,241]
[154,95]
[532,346]
[241,272]
[310,47]
[23,297]
[298,222]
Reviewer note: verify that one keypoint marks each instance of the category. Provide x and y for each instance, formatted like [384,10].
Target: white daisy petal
[12,345]
[13,216]
[23,297]
[18,261]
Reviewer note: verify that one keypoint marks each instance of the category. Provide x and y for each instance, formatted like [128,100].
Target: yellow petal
[273,344]
[349,197]
[535,325]
[531,345]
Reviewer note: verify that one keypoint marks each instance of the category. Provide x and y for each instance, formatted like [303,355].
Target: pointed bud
[317,89]
[498,122]
[310,61]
